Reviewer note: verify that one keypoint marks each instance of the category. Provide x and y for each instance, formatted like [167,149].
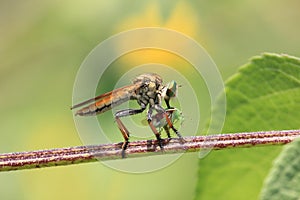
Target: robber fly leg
[168,103]
[174,129]
[121,126]
[158,108]
[166,128]
[125,134]
[157,134]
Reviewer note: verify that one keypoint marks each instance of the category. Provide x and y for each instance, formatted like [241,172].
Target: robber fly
[146,89]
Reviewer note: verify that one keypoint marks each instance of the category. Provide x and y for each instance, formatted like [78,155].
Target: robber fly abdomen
[107,101]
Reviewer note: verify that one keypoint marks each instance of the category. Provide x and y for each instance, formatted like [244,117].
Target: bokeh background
[43,44]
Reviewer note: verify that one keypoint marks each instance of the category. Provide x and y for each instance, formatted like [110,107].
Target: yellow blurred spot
[182,19]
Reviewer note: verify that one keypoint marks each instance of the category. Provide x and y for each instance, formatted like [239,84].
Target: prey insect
[160,123]
[147,90]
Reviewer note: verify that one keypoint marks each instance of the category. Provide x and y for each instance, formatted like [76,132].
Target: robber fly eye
[172,89]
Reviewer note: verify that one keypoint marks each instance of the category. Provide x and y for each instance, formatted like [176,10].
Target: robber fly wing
[106,101]
[93,99]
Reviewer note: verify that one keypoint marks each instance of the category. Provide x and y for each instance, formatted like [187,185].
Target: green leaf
[263,95]
[284,179]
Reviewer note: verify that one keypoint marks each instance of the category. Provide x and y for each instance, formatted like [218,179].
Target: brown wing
[93,99]
[106,101]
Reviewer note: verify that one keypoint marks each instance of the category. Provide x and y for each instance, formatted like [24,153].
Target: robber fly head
[169,91]
[172,89]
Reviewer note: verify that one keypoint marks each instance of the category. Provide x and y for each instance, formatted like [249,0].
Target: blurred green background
[42,45]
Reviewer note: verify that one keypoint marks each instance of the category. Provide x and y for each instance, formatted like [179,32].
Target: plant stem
[92,153]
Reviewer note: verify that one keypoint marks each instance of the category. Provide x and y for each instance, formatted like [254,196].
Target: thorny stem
[92,153]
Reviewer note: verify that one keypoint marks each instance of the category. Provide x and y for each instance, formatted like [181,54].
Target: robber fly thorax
[147,90]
